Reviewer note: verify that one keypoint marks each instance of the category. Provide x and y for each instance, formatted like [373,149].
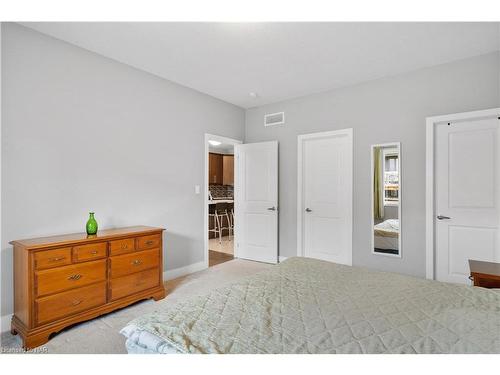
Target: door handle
[271,208]
[308,209]
[441,217]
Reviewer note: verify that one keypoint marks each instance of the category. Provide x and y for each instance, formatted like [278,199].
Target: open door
[256,201]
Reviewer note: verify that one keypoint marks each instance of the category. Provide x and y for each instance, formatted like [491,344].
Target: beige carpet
[101,335]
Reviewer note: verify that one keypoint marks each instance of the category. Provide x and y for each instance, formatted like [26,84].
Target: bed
[310,306]
[386,235]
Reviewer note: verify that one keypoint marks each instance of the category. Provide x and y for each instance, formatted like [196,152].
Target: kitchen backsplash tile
[221,191]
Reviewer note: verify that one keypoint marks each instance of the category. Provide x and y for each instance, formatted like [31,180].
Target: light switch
[197,189]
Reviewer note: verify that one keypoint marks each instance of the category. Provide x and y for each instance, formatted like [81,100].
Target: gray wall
[1,255]
[385,110]
[82,132]
[390,212]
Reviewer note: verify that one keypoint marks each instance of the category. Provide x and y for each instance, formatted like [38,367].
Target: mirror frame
[372,220]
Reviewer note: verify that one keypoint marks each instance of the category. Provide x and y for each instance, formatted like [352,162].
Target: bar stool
[231,217]
[216,228]
[221,215]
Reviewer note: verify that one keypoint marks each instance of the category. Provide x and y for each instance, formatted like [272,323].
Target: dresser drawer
[121,246]
[148,242]
[139,261]
[69,277]
[71,302]
[135,283]
[94,251]
[52,258]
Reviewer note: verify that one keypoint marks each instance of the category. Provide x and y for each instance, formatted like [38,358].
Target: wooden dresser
[62,280]
[485,274]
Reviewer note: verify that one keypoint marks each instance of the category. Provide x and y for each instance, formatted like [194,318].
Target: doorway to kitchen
[219,199]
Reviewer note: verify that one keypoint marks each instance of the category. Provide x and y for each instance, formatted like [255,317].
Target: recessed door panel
[469,243]
[257,172]
[326,239]
[257,229]
[472,168]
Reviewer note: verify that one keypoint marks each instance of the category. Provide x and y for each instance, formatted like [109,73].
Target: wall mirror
[386,199]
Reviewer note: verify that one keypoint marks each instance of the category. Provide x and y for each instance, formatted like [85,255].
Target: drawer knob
[57,259]
[76,303]
[149,242]
[136,262]
[124,246]
[94,252]
[76,276]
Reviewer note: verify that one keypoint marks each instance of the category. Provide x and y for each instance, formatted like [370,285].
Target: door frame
[300,188]
[431,123]
[221,139]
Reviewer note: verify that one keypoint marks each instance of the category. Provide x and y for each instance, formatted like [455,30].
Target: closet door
[325,196]
[467,196]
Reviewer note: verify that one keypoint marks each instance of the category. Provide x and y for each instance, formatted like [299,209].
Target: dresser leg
[33,341]
[158,296]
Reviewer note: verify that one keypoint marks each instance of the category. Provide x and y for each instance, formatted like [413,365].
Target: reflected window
[391,177]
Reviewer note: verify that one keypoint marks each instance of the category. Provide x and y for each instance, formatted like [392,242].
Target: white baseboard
[281,259]
[5,323]
[181,271]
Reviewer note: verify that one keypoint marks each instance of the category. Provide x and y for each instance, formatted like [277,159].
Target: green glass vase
[91,224]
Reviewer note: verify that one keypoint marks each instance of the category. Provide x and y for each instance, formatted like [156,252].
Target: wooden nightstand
[485,274]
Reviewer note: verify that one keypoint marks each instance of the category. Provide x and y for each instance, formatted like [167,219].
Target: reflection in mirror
[386,199]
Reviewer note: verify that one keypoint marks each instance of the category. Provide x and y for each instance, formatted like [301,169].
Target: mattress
[310,306]
[387,228]
[385,243]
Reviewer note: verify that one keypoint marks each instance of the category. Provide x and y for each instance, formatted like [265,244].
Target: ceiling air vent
[274,119]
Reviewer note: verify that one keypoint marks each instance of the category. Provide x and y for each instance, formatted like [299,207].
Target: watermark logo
[38,350]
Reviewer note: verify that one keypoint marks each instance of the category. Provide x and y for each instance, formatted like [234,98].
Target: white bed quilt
[309,306]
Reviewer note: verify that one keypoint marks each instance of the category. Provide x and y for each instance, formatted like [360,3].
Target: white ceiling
[277,60]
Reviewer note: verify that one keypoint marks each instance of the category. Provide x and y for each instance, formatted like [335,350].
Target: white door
[256,201]
[325,196]
[467,196]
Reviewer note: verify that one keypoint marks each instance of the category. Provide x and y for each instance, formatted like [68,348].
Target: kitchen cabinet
[228,170]
[221,169]
[215,168]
